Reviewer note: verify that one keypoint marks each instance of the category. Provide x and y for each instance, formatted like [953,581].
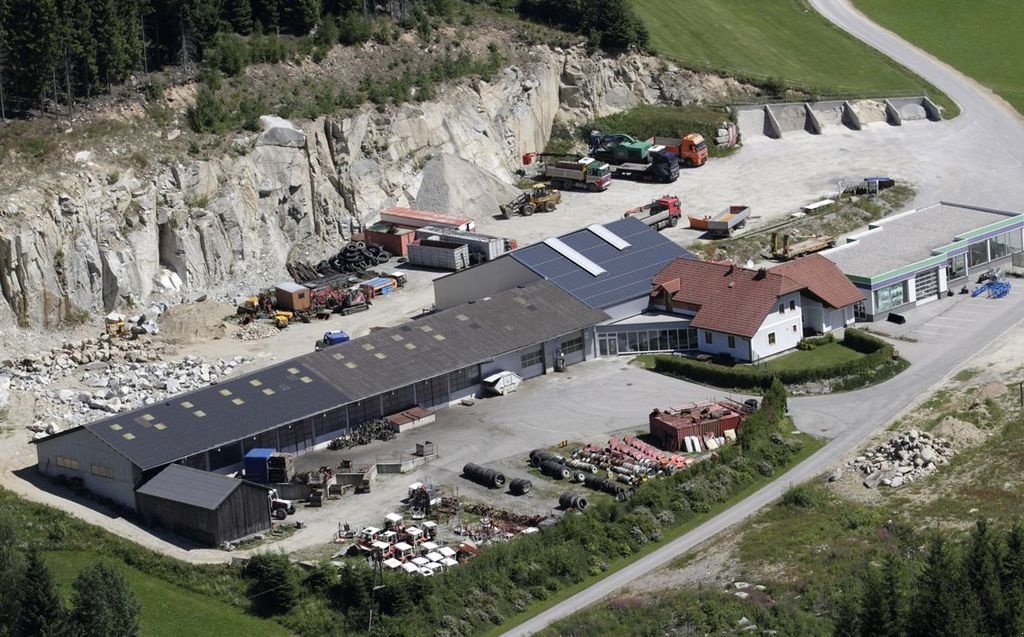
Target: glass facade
[890,297]
[977,254]
[957,267]
[667,340]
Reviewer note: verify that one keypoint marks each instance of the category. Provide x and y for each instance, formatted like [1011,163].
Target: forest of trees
[55,52]
[976,588]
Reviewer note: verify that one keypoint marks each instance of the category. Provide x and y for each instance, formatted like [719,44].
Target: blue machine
[255,464]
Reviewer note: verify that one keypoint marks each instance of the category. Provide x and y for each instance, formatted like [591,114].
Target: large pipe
[569,500]
[554,469]
[487,477]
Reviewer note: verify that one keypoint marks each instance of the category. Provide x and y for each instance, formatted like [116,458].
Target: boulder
[278,131]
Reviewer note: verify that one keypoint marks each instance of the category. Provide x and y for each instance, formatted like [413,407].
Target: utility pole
[376,584]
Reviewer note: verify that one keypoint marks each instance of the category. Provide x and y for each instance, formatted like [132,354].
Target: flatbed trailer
[722,224]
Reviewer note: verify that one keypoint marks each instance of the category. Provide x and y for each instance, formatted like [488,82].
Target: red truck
[663,211]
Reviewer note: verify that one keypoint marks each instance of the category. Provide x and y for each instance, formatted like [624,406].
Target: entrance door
[926,284]
[608,344]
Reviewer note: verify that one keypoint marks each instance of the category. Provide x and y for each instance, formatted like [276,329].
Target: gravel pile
[869,111]
[256,331]
[910,112]
[790,117]
[902,459]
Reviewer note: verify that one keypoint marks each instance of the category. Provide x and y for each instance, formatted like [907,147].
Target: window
[860,311]
[771,338]
[792,304]
[732,342]
[709,337]
[530,359]
[957,267]
[1004,245]
[66,463]
[782,308]
[100,470]
[977,254]
[794,328]
[889,297]
[572,345]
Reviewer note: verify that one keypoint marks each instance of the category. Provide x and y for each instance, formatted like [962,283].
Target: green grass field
[822,356]
[166,609]
[980,38]
[773,41]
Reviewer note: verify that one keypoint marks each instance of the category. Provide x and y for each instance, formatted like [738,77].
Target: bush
[209,114]
[803,497]
[230,54]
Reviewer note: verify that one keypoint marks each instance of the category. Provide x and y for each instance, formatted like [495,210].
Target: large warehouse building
[915,257]
[608,267]
[305,402]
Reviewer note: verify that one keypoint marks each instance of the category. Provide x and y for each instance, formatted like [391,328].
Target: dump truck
[722,224]
[539,198]
[662,212]
[585,173]
[782,249]
[628,157]
[691,150]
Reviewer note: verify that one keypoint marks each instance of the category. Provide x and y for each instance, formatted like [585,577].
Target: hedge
[879,363]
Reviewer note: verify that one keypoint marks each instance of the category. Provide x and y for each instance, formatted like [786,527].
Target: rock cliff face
[87,241]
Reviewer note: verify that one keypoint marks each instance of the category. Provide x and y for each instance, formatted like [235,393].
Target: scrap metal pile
[364,434]
[356,256]
[497,525]
[624,464]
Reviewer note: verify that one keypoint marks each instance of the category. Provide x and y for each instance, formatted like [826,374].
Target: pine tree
[983,569]
[10,566]
[103,604]
[239,14]
[1012,579]
[39,608]
[273,584]
[883,610]
[35,48]
[939,608]
[4,55]
[302,15]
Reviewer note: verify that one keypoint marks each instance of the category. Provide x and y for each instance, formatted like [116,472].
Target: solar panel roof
[361,368]
[628,271]
[190,486]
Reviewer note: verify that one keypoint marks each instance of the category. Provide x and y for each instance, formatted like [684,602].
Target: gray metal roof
[313,383]
[628,272]
[906,238]
[190,486]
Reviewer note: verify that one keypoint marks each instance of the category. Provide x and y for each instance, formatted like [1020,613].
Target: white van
[501,383]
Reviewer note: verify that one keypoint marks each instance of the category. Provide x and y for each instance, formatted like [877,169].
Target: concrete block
[812,126]
[771,125]
[892,114]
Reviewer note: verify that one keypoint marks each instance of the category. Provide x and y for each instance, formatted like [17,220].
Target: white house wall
[89,450]
[719,345]
[786,327]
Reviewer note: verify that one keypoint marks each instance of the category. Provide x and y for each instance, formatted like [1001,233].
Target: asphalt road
[852,417]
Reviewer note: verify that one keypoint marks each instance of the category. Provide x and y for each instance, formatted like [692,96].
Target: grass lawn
[981,38]
[777,40]
[821,356]
[166,609]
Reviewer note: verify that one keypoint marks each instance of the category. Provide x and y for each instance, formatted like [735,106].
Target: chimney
[761,273]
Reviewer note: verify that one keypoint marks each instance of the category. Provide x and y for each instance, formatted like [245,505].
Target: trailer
[783,250]
[445,255]
[412,218]
[482,247]
[628,157]
[662,212]
[722,224]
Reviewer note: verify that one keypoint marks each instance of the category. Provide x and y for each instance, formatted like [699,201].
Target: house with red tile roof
[750,314]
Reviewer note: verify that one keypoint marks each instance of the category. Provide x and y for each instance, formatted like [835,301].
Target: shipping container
[444,255]
[255,464]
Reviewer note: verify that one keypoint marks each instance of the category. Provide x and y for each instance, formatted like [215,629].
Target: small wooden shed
[292,296]
[203,506]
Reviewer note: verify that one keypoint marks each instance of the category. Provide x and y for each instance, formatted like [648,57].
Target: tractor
[541,197]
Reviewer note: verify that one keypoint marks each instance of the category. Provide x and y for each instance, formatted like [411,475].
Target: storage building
[203,506]
[917,256]
[292,296]
[303,403]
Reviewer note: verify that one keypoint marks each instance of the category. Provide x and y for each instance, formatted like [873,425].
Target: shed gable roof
[823,279]
[193,487]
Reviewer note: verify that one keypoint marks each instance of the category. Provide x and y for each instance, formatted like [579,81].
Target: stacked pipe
[598,483]
[570,500]
[487,477]
[520,486]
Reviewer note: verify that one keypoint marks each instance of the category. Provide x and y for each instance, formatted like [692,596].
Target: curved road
[852,417]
